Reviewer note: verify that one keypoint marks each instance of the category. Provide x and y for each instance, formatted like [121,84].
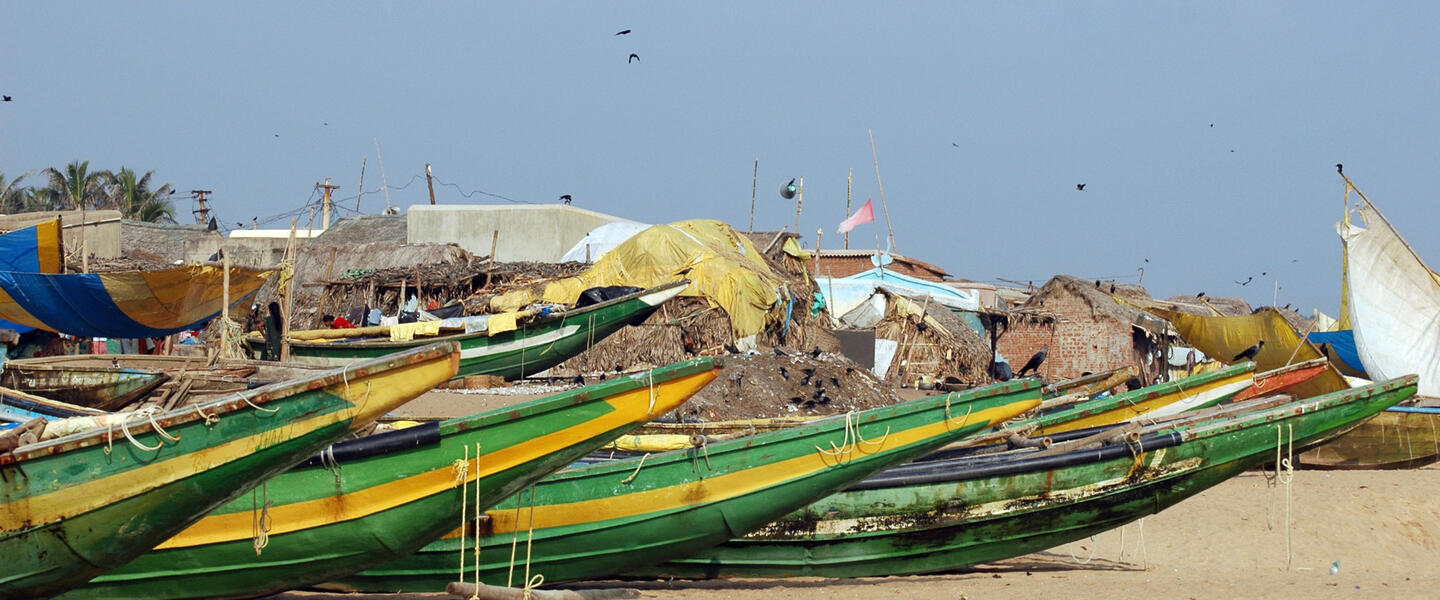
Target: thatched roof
[157,242]
[365,229]
[1195,305]
[952,349]
[1099,298]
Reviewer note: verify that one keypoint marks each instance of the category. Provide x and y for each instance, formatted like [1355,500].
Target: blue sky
[986,116]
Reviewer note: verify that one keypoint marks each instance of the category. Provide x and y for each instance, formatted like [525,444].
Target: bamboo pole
[289,308]
[849,187]
[754,180]
[430,182]
[881,184]
[361,189]
[819,234]
[225,308]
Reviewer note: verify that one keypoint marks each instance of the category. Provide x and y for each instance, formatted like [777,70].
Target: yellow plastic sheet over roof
[723,266]
[1221,338]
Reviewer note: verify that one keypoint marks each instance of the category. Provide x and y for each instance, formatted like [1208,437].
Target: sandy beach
[1380,527]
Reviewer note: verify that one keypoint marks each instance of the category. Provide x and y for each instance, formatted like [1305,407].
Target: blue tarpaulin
[1342,344]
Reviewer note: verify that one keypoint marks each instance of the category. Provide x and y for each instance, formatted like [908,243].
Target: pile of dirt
[770,385]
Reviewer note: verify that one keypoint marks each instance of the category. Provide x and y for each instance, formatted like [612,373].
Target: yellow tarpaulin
[722,265]
[1221,338]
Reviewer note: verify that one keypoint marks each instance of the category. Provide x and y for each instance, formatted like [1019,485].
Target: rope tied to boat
[210,419]
[530,582]
[246,398]
[260,521]
[852,440]
[124,428]
[327,458]
[1088,558]
[1285,478]
[159,430]
[461,467]
[948,419]
[637,469]
[476,521]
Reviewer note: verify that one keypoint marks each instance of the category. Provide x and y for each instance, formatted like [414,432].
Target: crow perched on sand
[566,199]
[1249,353]
[1035,361]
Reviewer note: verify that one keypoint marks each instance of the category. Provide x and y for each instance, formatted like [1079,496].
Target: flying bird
[566,199]
[951,143]
[1246,282]
[623,32]
[1080,187]
[1250,352]
[633,57]
[1035,361]
[1212,124]
[7,98]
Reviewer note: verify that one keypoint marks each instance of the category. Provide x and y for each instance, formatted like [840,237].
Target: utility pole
[328,187]
[202,214]
[430,181]
[799,203]
[849,185]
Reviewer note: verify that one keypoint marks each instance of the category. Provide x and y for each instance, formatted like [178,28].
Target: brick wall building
[844,263]
[1084,327]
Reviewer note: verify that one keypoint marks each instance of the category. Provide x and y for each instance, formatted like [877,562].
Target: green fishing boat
[367,501]
[945,514]
[605,518]
[80,504]
[535,344]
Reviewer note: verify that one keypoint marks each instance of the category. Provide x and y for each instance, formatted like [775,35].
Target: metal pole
[849,187]
[754,179]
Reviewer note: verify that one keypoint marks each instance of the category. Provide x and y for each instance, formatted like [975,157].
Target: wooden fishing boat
[534,346]
[190,378]
[935,516]
[103,388]
[75,506]
[604,518]
[1402,437]
[364,502]
[20,406]
[1159,400]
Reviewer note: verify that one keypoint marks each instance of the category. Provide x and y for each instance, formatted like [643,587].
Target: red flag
[866,214]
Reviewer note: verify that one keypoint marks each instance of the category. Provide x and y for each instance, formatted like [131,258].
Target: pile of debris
[770,384]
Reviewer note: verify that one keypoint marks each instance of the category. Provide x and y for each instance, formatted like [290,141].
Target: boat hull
[991,511]
[348,510]
[603,519]
[78,505]
[526,351]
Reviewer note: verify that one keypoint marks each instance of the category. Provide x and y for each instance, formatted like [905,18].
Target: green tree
[132,196]
[12,196]
[78,187]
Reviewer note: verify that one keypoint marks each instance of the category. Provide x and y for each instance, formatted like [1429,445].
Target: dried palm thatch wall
[939,344]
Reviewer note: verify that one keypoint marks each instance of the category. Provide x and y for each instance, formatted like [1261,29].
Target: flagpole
[881,184]
[849,185]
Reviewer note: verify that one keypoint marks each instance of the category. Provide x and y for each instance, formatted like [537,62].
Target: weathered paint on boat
[529,349]
[1282,379]
[78,505]
[927,517]
[601,519]
[103,388]
[1163,399]
[341,513]
[1391,440]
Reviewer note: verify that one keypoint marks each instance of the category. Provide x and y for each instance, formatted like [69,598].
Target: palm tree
[12,196]
[77,187]
[135,200]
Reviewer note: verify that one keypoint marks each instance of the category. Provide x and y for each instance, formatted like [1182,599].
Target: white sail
[1394,303]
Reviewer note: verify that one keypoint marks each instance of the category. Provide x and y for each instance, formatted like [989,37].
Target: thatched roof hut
[1083,326]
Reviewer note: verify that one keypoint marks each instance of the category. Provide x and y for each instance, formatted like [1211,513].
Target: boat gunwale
[238,401]
[561,316]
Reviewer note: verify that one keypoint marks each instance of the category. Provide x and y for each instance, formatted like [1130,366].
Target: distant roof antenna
[383,183]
